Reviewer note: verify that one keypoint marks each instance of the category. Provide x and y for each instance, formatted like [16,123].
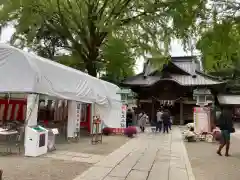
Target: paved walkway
[207,165]
[75,156]
[150,156]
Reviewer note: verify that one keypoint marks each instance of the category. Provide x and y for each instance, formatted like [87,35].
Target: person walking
[171,122]
[166,120]
[226,127]
[129,117]
[159,120]
[142,121]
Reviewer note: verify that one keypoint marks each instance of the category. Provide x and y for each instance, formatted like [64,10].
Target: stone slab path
[150,156]
[75,156]
[207,165]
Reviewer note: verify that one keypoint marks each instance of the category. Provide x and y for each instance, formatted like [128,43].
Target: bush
[107,131]
[130,131]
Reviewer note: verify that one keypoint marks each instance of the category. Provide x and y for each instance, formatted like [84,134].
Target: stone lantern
[200,95]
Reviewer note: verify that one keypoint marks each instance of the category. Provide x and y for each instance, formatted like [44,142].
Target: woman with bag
[226,127]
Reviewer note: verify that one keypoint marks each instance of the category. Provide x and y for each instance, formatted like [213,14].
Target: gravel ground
[207,165]
[22,168]
[109,144]
[40,168]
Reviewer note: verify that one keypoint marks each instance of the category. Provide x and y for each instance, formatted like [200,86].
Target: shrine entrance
[175,81]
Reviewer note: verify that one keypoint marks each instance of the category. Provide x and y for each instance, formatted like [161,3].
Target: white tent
[25,72]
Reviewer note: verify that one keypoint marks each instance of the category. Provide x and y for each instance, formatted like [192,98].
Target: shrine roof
[229,99]
[182,70]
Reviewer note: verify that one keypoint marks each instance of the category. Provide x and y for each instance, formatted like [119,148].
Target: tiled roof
[149,69]
[194,81]
[183,80]
[185,63]
[229,99]
[140,80]
[186,66]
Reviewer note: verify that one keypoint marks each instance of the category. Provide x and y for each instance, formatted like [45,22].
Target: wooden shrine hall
[173,85]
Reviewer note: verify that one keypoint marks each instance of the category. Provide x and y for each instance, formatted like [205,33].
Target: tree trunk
[91,61]
[91,68]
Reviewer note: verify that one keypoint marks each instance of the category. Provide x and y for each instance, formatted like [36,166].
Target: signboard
[78,120]
[123,116]
[201,118]
[73,123]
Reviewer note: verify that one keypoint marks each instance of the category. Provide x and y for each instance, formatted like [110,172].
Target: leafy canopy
[220,37]
[84,27]
[119,60]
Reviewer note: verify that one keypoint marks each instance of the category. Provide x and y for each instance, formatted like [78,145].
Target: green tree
[220,37]
[119,60]
[83,26]
[220,41]
[220,46]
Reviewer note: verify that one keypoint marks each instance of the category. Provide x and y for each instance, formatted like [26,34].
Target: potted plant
[107,131]
[130,131]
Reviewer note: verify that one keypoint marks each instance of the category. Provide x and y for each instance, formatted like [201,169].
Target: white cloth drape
[25,72]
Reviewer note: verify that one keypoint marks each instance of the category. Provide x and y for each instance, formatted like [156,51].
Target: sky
[176,47]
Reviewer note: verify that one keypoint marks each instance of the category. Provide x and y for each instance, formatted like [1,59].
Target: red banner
[118,130]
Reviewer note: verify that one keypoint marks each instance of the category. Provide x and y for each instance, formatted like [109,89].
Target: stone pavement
[75,156]
[207,165]
[150,156]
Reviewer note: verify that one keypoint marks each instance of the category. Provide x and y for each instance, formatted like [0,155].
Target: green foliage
[220,39]
[71,61]
[159,61]
[219,42]
[220,46]
[119,60]
[85,26]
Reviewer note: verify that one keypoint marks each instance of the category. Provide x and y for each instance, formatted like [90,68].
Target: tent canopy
[25,72]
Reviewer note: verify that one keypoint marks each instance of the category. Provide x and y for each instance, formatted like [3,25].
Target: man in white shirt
[159,120]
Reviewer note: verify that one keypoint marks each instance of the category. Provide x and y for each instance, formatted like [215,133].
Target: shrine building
[173,85]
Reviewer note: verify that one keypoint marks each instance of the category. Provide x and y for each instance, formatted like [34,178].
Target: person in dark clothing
[225,123]
[129,117]
[166,120]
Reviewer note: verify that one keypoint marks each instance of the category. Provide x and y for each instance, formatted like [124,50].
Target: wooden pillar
[153,112]
[138,103]
[181,113]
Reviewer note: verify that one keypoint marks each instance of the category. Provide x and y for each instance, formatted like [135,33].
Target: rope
[165,99]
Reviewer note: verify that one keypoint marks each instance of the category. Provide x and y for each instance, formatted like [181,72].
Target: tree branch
[130,19]
[102,9]
[115,15]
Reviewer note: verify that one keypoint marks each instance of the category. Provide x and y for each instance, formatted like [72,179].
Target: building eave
[182,80]
[229,99]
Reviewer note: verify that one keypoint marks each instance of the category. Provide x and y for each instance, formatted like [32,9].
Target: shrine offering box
[36,141]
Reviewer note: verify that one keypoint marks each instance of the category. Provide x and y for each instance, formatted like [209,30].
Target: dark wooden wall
[166,90]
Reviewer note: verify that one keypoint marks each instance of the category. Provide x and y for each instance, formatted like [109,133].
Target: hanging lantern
[59,103]
[41,104]
[66,102]
[53,104]
[46,101]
